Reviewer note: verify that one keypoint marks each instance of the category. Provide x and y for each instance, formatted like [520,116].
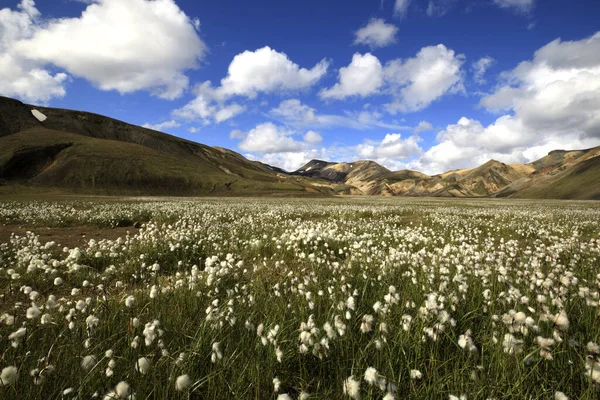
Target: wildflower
[276,384]
[389,396]
[109,353]
[453,397]
[9,375]
[121,391]
[284,396]
[561,321]
[88,362]
[216,352]
[512,345]
[371,376]
[560,396]
[367,323]
[142,365]
[58,281]
[352,388]
[182,382]
[303,396]
[33,311]
[593,348]
[129,301]
[415,374]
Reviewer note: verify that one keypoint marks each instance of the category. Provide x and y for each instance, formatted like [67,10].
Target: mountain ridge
[88,152]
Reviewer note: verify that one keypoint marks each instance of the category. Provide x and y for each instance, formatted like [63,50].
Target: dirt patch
[73,236]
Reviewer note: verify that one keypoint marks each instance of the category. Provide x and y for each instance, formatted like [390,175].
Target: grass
[228,266]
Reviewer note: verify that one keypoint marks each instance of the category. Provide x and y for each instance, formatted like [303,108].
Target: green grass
[257,260]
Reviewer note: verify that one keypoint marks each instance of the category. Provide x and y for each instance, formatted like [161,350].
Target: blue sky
[430,85]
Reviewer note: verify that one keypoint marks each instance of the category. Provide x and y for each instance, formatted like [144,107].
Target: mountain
[90,153]
[561,174]
[82,152]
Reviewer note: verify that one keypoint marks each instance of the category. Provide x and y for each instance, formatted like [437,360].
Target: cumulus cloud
[423,126]
[293,112]
[522,6]
[20,76]
[362,77]
[480,67]
[417,82]
[268,138]
[312,137]
[250,73]
[204,108]
[552,102]
[401,8]
[558,92]
[376,34]
[123,45]
[391,147]
[162,126]
[266,70]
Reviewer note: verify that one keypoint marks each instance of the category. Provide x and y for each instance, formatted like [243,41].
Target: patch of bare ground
[72,236]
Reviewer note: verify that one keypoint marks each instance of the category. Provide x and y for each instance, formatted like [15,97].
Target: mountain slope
[92,153]
[561,174]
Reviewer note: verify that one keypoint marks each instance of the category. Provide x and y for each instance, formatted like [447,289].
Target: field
[301,299]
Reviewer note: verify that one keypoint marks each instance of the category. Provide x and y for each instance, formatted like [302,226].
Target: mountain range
[81,152]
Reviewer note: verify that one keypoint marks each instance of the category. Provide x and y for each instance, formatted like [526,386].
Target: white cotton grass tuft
[560,396]
[9,375]
[276,384]
[284,396]
[88,362]
[352,388]
[182,382]
[415,374]
[561,321]
[129,301]
[142,365]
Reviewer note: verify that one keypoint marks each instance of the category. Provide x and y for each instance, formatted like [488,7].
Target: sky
[428,85]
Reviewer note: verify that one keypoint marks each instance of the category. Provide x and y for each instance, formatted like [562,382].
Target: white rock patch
[40,117]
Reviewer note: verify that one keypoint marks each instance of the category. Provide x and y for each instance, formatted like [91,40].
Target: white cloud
[401,8]
[123,45]
[163,125]
[290,161]
[266,70]
[439,8]
[362,77]
[553,103]
[19,76]
[480,67]
[391,147]
[312,137]
[558,92]
[204,107]
[251,72]
[268,138]
[417,82]
[423,126]
[523,6]
[293,112]
[376,34]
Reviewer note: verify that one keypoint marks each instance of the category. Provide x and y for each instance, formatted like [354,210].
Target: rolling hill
[82,152]
[90,153]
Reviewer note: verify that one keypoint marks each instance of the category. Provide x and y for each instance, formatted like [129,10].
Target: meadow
[301,299]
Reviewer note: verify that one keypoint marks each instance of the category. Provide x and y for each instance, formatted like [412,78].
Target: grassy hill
[86,152]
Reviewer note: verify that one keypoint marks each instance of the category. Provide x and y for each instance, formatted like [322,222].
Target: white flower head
[9,375]
[182,382]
